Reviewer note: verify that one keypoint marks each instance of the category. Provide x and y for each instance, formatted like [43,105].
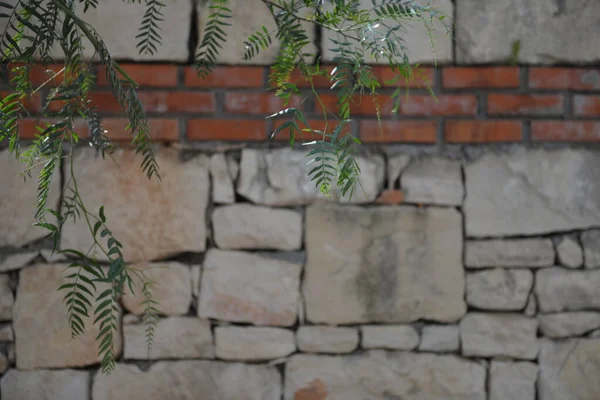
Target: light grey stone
[433,180]
[591,247]
[568,324]
[164,218]
[233,167]
[569,252]
[175,337]
[223,191]
[7,299]
[559,290]
[381,375]
[45,385]
[327,339]
[499,289]
[567,368]
[246,226]
[396,164]
[250,343]
[513,380]
[187,380]
[440,338]
[530,253]
[247,287]
[17,261]
[399,337]
[531,307]
[535,191]
[486,31]
[392,265]
[499,335]
[52,257]
[196,271]
[280,177]
[6,334]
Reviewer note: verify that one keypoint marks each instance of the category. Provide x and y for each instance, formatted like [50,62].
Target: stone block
[433,180]
[513,380]
[499,289]
[7,299]
[326,339]
[569,252]
[440,338]
[563,325]
[591,248]
[223,191]
[558,289]
[392,337]
[530,253]
[45,384]
[249,343]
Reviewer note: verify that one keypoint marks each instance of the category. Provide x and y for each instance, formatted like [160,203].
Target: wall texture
[468,268]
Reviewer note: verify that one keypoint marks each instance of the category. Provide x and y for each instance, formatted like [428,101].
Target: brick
[31,103]
[161,130]
[227,129]
[361,105]
[227,77]
[524,104]
[185,102]
[482,131]
[150,75]
[305,136]
[586,106]
[256,103]
[425,105]
[564,78]
[557,131]
[28,130]
[51,75]
[318,81]
[486,77]
[420,78]
[398,131]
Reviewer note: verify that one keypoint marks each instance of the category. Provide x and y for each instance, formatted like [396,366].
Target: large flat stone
[187,380]
[529,192]
[486,30]
[568,324]
[392,264]
[327,339]
[152,219]
[380,375]
[513,380]
[45,385]
[7,299]
[499,289]
[433,180]
[249,343]
[558,289]
[509,253]
[247,287]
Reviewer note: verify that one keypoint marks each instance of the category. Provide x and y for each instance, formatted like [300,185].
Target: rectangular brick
[161,130]
[305,135]
[565,131]
[425,105]
[398,131]
[28,127]
[227,77]
[153,75]
[319,81]
[420,77]
[50,75]
[256,103]
[481,77]
[564,78]
[227,129]
[483,131]
[364,105]
[524,104]
[586,105]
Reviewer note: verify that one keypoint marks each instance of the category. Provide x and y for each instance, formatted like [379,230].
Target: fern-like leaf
[214,37]
[149,36]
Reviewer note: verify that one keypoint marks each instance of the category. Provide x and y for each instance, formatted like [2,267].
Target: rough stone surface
[327,339]
[499,289]
[245,226]
[509,253]
[568,369]
[17,261]
[393,264]
[223,191]
[280,177]
[45,385]
[529,192]
[187,380]
[559,290]
[239,343]
[499,335]
[162,219]
[396,164]
[513,380]
[196,271]
[569,252]
[172,289]
[486,30]
[7,299]
[247,287]
[591,247]
[531,307]
[381,375]
[433,180]
[7,334]
[400,337]
[568,324]
[440,338]
[18,200]
[175,337]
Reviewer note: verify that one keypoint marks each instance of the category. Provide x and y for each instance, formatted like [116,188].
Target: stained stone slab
[46,385]
[327,339]
[7,299]
[531,253]
[223,191]
[558,289]
[513,380]
[249,343]
[535,191]
[17,261]
[591,248]
[569,252]
[381,375]
[163,218]
[486,30]
[186,380]
[433,180]
[440,338]
[499,289]
[249,287]
[280,177]
[568,324]
[392,337]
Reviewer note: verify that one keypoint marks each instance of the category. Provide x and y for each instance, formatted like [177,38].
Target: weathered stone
[234,167]
[175,337]
[569,252]
[482,36]
[559,290]
[17,261]
[247,287]
[172,289]
[532,191]
[327,339]
[196,271]
[6,334]
[249,343]
[7,299]
[163,218]
[499,289]
[245,226]
[509,253]
[399,337]
[531,307]
[381,375]
[513,380]
[568,369]
[222,184]
[591,247]
[440,338]
[568,324]
[392,264]
[396,164]
[433,180]
[40,308]
[45,385]
[189,380]
[499,335]
[52,257]
[280,177]
[18,200]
